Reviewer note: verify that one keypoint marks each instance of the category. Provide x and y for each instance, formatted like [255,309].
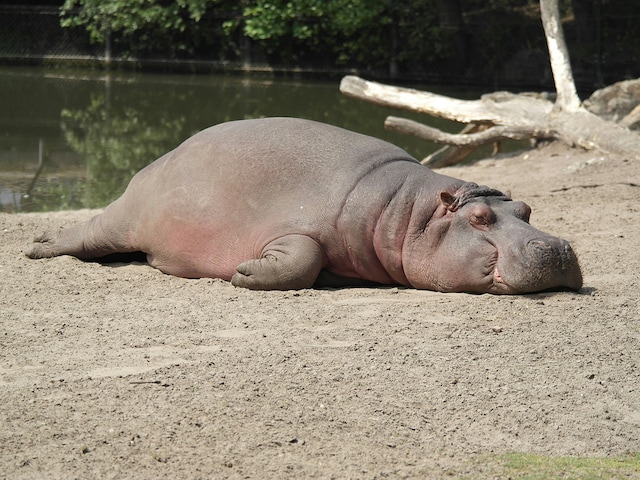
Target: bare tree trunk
[559,55]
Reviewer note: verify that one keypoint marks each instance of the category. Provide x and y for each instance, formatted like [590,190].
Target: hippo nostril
[569,259]
[539,244]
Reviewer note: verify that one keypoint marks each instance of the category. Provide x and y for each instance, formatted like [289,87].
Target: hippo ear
[507,193]
[448,201]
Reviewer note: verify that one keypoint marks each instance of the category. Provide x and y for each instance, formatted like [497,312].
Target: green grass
[524,466]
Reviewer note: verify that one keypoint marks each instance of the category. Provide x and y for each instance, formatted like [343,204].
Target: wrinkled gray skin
[270,203]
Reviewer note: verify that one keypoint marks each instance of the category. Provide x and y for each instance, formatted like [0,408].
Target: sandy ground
[120,371]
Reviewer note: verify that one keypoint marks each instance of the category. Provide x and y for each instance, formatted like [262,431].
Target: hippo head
[479,240]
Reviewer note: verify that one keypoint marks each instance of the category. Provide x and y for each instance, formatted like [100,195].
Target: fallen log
[475,139]
[449,154]
[518,116]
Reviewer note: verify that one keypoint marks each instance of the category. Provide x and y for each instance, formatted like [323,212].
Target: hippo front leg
[288,263]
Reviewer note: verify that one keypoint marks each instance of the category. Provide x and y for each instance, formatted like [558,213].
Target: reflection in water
[88,133]
[9,200]
[117,142]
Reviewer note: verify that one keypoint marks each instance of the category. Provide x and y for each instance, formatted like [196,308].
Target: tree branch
[631,118]
[450,155]
[492,134]
[501,108]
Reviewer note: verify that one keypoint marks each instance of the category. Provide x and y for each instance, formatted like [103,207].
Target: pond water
[73,139]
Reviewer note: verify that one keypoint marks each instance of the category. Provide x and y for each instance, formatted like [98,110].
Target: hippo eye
[481,216]
[478,220]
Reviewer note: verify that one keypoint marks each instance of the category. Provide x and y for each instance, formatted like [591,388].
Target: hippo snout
[556,263]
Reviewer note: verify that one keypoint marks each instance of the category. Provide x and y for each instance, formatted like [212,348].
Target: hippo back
[241,184]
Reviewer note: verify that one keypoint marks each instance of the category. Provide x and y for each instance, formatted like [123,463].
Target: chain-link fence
[489,49]
[29,33]
[33,35]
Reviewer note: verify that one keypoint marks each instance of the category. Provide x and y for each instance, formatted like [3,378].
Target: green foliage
[117,143]
[308,19]
[150,23]
[362,33]
[331,30]
[420,38]
[478,39]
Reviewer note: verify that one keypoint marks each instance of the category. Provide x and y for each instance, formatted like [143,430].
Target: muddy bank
[120,370]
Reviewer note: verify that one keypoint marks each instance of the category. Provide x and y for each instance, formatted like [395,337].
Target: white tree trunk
[559,55]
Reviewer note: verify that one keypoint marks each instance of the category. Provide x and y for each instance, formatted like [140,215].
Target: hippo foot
[43,246]
[288,263]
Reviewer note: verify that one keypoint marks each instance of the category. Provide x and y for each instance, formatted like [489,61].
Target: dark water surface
[73,139]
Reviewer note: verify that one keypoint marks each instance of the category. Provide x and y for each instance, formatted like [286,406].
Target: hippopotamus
[284,203]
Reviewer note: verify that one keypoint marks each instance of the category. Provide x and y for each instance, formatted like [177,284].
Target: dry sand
[120,371]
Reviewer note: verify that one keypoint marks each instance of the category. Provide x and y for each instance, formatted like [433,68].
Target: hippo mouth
[494,281]
[499,285]
[499,266]
[497,282]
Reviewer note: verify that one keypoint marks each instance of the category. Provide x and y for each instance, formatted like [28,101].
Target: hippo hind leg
[93,239]
[291,262]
